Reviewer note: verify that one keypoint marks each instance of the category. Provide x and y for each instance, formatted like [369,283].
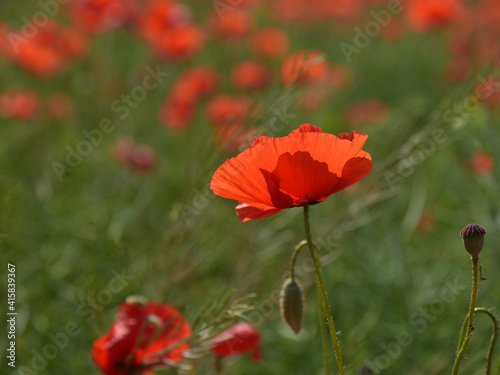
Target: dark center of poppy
[298,179]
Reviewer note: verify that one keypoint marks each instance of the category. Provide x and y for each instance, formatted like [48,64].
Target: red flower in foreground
[143,336]
[237,340]
[306,166]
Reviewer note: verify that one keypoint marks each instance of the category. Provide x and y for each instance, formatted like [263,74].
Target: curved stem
[323,293]
[494,337]
[296,252]
[470,317]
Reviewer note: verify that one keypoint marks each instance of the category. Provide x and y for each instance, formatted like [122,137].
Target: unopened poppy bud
[473,236]
[292,304]
[136,300]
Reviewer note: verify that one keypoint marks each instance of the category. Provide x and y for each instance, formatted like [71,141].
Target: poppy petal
[246,212]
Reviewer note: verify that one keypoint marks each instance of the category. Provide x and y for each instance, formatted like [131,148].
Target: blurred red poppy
[101,16]
[482,163]
[225,109]
[251,75]
[233,24]
[305,67]
[237,340]
[144,336]
[23,105]
[232,137]
[59,106]
[427,15]
[307,166]
[269,42]
[135,157]
[366,112]
[48,50]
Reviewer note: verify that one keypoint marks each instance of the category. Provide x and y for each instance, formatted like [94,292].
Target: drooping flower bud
[292,304]
[473,237]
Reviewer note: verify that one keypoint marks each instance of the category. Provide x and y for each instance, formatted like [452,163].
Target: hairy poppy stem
[323,293]
[494,337]
[296,252]
[466,333]
[324,334]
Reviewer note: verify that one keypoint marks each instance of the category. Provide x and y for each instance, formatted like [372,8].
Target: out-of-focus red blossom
[393,31]
[48,50]
[134,156]
[312,98]
[22,105]
[482,163]
[226,109]
[144,336]
[179,44]
[59,106]
[426,15]
[366,112]
[427,222]
[101,16]
[488,91]
[269,42]
[251,75]
[233,24]
[159,16]
[309,11]
[192,85]
[167,28]
[234,137]
[341,76]
[305,167]
[177,115]
[304,67]
[237,340]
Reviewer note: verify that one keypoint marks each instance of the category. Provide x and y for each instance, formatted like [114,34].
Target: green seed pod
[292,304]
[473,237]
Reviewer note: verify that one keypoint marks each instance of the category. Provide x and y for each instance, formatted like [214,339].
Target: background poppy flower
[306,166]
[239,339]
[142,337]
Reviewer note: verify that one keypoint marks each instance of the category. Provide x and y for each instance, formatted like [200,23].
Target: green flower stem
[324,334]
[296,252]
[494,337]
[323,293]
[470,318]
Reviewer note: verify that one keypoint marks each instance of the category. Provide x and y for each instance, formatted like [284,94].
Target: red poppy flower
[269,42]
[59,106]
[366,112]
[143,336]
[232,25]
[224,109]
[136,157]
[23,105]
[101,16]
[239,339]
[305,67]
[482,163]
[251,75]
[307,166]
[427,15]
